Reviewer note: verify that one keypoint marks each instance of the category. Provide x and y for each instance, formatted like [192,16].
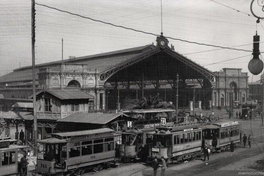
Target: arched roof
[108,64]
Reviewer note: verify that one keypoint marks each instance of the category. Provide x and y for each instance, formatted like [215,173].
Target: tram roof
[210,127]
[144,111]
[85,132]
[13,146]
[226,123]
[52,141]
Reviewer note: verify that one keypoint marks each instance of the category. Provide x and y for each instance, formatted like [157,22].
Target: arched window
[74,83]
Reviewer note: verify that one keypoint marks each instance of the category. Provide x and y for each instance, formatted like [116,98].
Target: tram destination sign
[90,136]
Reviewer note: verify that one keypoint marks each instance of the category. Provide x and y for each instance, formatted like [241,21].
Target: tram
[10,157]
[137,139]
[74,152]
[219,135]
[135,144]
[178,142]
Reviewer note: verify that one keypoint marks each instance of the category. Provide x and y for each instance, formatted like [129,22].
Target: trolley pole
[33,11]
[177,97]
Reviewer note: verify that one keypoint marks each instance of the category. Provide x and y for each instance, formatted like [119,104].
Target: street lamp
[255,66]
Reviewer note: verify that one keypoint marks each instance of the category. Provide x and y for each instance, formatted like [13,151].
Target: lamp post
[262,114]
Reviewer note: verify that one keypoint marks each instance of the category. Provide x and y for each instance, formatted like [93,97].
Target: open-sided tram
[219,135]
[177,142]
[73,152]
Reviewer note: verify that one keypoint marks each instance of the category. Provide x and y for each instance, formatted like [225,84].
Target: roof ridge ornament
[162,41]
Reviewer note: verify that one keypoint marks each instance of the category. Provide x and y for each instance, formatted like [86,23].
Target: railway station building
[118,77]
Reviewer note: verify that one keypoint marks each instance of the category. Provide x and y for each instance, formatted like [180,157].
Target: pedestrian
[206,153]
[22,136]
[232,146]
[249,141]
[163,167]
[237,115]
[245,140]
[155,166]
[16,135]
[240,137]
[23,165]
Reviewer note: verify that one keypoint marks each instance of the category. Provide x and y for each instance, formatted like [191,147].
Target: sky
[226,23]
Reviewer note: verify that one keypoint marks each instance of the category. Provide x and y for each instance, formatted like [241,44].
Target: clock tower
[162,41]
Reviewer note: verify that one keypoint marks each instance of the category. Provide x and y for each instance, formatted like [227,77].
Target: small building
[52,105]
[85,121]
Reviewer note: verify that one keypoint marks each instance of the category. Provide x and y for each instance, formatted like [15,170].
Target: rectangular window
[98,148]
[8,158]
[194,135]
[189,137]
[74,152]
[76,107]
[109,139]
[87,150]
[183,139]
[109,146]
[198,135]
[47,104]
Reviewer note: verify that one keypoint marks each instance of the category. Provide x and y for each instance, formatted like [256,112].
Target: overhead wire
[227,60]
[140,31]
[239,11]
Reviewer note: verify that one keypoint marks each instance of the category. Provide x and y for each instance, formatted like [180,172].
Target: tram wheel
[80,172]
[98,168]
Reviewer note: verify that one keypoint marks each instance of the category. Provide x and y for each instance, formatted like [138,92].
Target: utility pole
[177,97]
[33,14]
[262,114]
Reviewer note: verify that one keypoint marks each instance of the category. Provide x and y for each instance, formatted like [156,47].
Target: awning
[8,115]
[23,105]
[93,118]
[67,94]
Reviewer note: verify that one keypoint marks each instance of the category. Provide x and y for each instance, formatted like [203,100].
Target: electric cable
[140,31]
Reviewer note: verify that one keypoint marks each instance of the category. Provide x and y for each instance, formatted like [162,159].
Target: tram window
[8,158]
[183,138]
[109,139]
[176,139]
[189,135]
[109,146]
[98,148]
[12,158]
[74,152]
[64,152]
[198,135]
[98,141]
[87,150]
[86,142]
[223,135]
[194,135]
